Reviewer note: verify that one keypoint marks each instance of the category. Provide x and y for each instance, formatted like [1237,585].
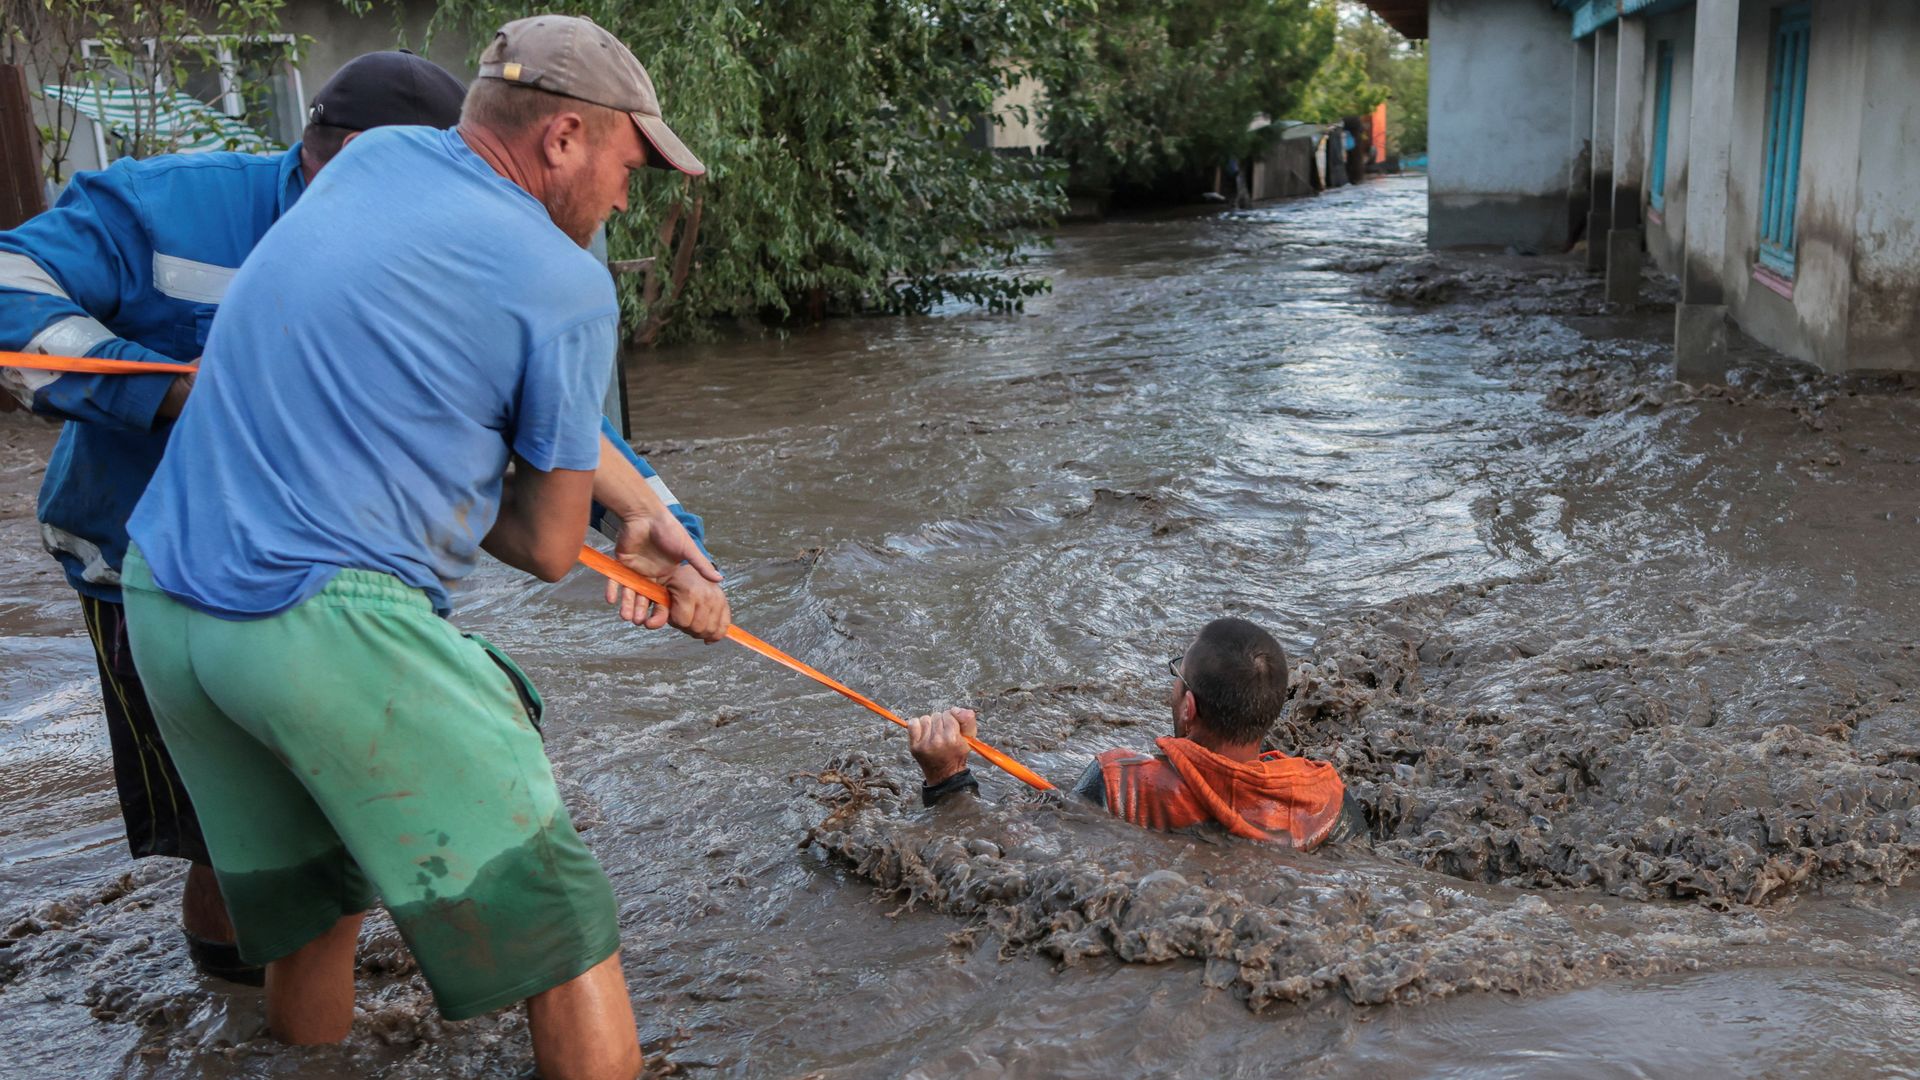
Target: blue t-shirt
[409,322]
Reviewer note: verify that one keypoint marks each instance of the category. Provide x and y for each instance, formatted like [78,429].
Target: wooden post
[617,268]
[650,285]
[659,295]
[22,192]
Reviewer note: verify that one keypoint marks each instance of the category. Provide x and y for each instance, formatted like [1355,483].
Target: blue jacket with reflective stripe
[131,264]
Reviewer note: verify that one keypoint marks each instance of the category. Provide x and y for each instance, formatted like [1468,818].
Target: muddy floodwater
[1622,671]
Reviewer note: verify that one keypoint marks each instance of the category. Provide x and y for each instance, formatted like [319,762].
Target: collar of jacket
[293,181]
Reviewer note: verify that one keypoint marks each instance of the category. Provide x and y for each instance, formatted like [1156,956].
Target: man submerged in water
[1229,688]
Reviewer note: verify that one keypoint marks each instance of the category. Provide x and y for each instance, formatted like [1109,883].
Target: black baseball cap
[382,88]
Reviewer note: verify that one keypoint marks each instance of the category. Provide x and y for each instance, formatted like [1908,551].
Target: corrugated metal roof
[1652,7]
[1409,17]
[1593,15]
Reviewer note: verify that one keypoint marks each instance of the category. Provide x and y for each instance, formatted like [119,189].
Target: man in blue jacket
[131,264]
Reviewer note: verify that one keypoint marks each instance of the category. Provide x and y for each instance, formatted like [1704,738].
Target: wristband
[960,781]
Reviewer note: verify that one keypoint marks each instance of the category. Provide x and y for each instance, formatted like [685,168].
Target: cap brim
[668,145]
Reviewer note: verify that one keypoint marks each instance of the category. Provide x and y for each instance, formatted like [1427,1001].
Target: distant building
[1765,152]
[1292,160]
[1014,122]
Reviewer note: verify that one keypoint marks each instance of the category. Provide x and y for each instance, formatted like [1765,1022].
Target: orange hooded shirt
[1277,798]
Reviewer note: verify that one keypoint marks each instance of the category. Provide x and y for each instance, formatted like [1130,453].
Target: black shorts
[153,802]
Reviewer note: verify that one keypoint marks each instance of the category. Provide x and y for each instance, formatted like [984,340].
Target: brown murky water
[1622,672]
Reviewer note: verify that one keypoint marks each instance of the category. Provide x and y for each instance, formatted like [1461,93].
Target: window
[1662,114]
[1786,108]
[239,93]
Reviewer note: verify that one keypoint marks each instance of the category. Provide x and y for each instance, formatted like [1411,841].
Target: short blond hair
[511,109]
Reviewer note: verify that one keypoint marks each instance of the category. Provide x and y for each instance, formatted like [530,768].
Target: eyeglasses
[1173,668]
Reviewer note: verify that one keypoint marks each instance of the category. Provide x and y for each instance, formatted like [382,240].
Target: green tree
[1150,88]
[1371,63]
[1343,87]
[836,137]
[145,50]
[843,176]
[1407,108]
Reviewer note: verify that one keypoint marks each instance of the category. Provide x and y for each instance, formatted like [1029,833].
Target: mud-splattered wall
[1856,283]
[1884,323]
[1851,301]
[1499,157]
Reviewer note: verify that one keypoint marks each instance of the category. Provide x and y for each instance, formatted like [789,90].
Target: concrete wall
[1811,323]
[1580,138]
[1498,157]
[1884,317]
[1505,134]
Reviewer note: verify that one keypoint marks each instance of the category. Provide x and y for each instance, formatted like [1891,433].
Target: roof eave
[1408,17]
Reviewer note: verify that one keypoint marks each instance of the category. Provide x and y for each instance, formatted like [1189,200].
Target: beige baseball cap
[576,57]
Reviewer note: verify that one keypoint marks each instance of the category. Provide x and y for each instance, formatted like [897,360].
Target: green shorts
[358,746]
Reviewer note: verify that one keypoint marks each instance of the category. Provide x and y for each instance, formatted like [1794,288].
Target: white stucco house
[1764,152]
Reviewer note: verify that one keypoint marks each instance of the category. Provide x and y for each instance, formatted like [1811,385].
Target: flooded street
[1623,674]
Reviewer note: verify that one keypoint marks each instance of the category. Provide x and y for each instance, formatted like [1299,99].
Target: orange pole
[91,365]
[590,558]
[601,564]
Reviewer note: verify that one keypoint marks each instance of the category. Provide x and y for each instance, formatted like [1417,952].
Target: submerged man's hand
[939,742]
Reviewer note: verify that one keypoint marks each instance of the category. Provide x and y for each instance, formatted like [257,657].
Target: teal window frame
[1786,113]
[1662,120]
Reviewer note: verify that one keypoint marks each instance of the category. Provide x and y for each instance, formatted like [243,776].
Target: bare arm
[543,520]
[603,518]
[619,487]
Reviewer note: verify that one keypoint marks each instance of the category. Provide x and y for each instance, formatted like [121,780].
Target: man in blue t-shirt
[131,264]
[408,370]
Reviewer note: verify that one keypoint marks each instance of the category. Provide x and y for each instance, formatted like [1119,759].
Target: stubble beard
[573,213]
